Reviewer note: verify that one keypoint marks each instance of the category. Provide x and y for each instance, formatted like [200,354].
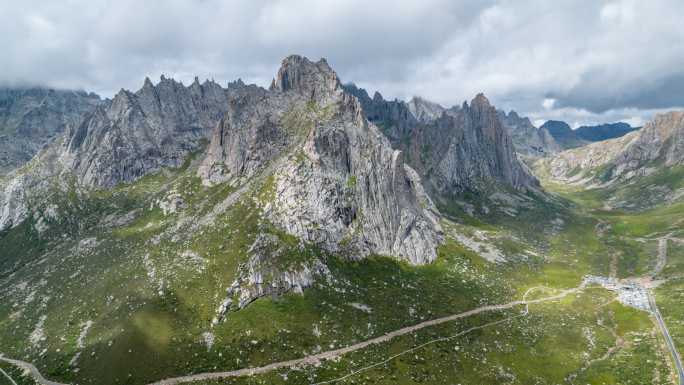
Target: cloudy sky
[581,61]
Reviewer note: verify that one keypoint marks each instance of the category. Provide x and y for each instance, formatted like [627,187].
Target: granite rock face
[528,140]
[118,140]
[337,181]
[32,117]
[142,132]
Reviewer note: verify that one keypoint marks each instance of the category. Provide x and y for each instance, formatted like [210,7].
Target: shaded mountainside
[604,131]
[462,149]
[32,117]
[568,138]
[563,134]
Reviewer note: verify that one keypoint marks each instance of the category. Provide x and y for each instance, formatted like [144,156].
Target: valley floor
[506,302]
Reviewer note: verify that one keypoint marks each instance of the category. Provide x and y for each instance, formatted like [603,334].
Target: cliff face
[336,180]
[32,117]
[137,133]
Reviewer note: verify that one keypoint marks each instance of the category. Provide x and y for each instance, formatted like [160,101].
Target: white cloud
[548,103]
[593,58]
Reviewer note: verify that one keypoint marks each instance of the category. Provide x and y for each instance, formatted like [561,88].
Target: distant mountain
[32,117]
[563,134]
[567,138]
[604,131]
[528,139]
[652,156]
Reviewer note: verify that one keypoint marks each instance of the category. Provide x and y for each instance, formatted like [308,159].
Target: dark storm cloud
[586,60]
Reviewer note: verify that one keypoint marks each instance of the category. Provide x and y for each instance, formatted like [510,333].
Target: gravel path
[31,368]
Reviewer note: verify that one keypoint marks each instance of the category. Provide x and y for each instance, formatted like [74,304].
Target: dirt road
[317,358]
[31,368]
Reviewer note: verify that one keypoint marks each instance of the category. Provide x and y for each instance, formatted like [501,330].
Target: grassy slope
[150,305]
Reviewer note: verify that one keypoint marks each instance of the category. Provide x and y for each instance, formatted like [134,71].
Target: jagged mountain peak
[480,101]
[312,79]
[147,83]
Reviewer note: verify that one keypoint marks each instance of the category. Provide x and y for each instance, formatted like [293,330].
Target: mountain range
[307,233]
[568,138]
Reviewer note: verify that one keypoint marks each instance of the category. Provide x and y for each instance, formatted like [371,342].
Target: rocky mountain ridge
[337,180]
[354,175]
[463,148]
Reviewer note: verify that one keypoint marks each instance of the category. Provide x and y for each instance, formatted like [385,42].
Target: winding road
[317,358]
[32,369]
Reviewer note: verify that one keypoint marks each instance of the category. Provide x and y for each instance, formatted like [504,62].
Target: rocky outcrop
[264,274]
[659,143]
[528,140]
[142,132]
[32,117]
[478,152]
[338,183]
[248,137]
[27,191]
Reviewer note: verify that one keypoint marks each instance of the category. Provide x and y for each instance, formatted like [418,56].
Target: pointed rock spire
[480,101]
[301,75]
[148,83]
